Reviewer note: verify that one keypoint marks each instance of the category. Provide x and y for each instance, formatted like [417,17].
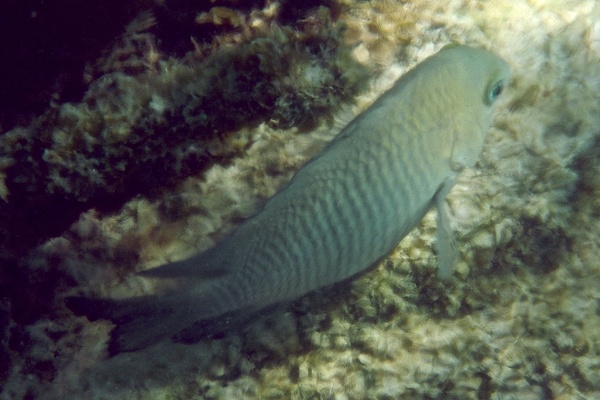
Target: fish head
[478,80]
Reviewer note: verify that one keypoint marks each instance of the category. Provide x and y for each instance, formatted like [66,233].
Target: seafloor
[183,121]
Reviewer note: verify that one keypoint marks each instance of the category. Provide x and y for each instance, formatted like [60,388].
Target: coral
[148,122]
[518,319]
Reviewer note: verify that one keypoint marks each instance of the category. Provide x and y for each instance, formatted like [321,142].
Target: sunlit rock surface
[518,319]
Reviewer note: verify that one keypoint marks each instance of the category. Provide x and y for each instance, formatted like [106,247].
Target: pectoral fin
[445,244]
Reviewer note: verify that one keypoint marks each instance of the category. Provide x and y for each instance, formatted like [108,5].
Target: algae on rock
[142,126]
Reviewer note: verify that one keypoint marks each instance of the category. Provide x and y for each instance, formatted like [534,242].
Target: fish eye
[495,91]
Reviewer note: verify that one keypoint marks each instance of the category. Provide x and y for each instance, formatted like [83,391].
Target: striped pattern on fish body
[345,209]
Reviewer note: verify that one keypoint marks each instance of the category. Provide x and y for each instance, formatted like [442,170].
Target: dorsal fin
[203,265]
[226,256]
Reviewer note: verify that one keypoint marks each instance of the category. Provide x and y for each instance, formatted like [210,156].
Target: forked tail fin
[202,288]
[145,320]
[139,321]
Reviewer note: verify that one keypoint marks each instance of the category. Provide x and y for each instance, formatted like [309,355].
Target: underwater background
[137,133]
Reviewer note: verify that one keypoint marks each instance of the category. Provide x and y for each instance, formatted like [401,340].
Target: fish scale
[341,212]
[368,198]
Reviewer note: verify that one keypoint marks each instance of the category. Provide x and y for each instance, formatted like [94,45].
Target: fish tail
[139,321]
[145,320]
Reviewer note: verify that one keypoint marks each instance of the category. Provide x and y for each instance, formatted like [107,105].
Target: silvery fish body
[343,211]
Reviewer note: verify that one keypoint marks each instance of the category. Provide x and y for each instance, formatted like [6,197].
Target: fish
[341,213]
